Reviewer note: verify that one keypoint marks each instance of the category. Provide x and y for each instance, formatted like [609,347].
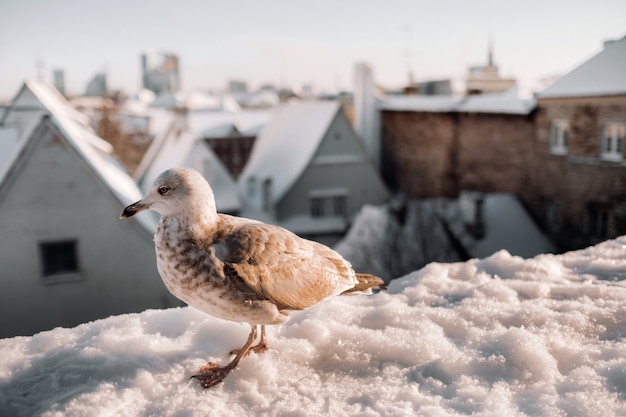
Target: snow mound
[491,337]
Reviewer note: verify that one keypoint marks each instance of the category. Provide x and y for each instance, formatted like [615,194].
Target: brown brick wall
[439,154]
[418,153]
[494,152]
[579,182]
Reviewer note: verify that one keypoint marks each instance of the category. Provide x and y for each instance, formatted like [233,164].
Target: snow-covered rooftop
[182,147]
[507,102]
[287,144]
[75,127]
[501,336]
[601,75]
[215,123]
[421,103]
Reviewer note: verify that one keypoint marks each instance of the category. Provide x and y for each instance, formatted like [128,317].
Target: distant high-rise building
[236,86]
[97,87]
[160,72]
[58,76]
[484,79]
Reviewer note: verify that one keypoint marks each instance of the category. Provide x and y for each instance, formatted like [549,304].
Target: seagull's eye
[163,190]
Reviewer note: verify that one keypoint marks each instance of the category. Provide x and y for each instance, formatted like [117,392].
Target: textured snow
[501,336]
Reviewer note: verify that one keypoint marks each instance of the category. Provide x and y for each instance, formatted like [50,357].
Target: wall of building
[570,189]
[53,195]
[340,163]
[494,152]
[419,153]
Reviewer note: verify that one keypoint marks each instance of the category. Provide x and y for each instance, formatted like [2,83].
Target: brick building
[562,156]
[439,146]
[578,168]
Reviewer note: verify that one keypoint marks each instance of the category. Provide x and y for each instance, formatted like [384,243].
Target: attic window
[559,137]
[613,137]
[59,261]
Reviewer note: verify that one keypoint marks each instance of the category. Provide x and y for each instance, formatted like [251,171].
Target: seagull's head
[174,191]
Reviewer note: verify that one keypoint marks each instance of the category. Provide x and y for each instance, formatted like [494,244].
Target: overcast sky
[291,42]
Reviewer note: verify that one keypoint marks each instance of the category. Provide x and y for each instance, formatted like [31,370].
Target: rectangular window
[59,261]
[317,207]
[613,137]
[598,218]
[340,205]
[559,137]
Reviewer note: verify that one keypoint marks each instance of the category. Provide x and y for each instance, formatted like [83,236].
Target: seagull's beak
[133,209]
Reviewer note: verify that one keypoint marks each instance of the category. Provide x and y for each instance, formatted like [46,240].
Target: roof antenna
[407,28]
[490,50]
[40,67]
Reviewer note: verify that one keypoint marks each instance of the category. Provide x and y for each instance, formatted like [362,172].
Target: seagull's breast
[191,271]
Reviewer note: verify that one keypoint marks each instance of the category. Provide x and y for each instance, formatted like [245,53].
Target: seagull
[236,268]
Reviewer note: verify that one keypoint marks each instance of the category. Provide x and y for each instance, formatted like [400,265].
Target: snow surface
[502,336]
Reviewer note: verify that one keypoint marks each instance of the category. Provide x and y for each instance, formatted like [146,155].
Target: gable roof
[182,147]
[287,143]
[603,74]
[75,129]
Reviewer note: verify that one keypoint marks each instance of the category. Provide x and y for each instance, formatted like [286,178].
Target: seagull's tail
[365,285]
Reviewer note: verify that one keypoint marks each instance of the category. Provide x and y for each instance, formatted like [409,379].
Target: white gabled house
[309,172]
[66,257]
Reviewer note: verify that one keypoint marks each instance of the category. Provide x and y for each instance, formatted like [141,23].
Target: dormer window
[559,137]
[613,136]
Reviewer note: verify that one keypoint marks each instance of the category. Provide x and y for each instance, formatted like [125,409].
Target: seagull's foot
[212,374]
[260,348]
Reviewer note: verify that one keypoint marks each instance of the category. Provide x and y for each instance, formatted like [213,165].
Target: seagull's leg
[258,348]
[262,345]
[212,374]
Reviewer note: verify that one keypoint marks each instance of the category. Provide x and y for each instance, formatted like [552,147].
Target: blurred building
[69,258]
[58,76]
[485,79]
[578,164]
[97,86]
[160,72]
[309,172]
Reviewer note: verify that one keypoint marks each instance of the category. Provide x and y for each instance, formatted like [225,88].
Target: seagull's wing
[292,272]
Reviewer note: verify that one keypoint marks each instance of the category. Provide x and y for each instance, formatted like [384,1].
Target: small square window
[340,205]
[59,261]
[317,207]
[559,137]
[613,137]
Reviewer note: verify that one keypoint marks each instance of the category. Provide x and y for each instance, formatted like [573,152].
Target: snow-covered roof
[76,130]
[214,123]
[603,74]
[182,147]
[421,103]
[507,102]
[287,144]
